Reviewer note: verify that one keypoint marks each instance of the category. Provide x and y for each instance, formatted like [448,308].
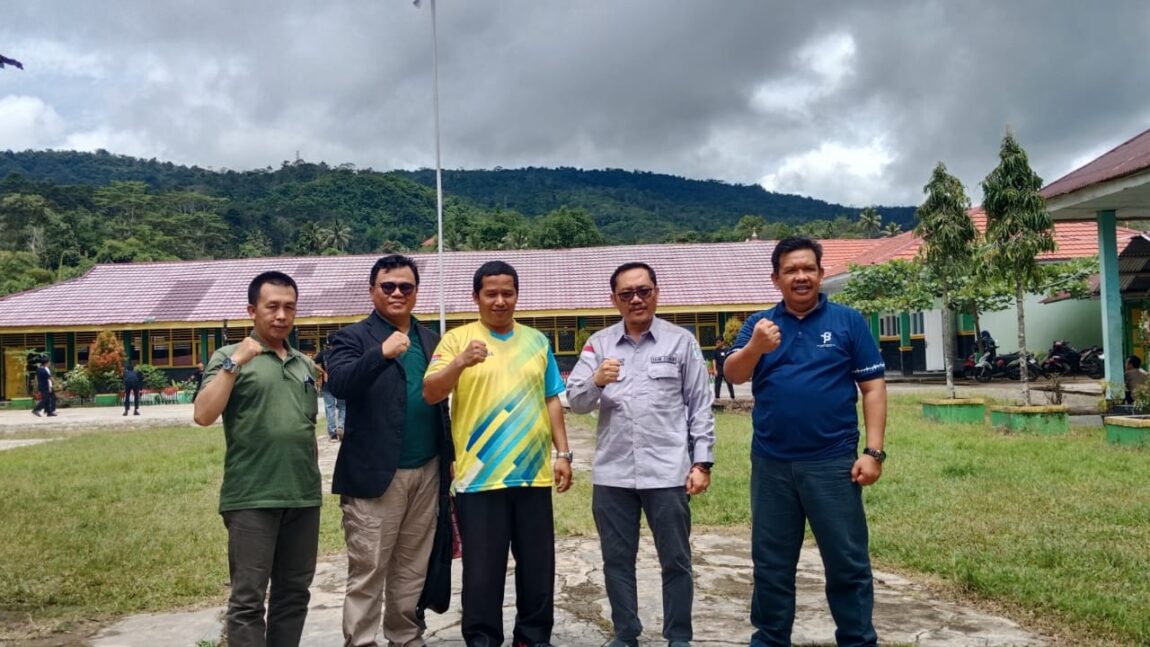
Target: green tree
[20,271]
[256,245]
[334,237]
[751,226]
[891,229]
[565,228]
[947,252]
[870,222]
[106,361]
[893,286]
[1018,228]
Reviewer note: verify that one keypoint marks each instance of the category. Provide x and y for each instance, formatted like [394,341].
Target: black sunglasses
[405,289]
[643,293]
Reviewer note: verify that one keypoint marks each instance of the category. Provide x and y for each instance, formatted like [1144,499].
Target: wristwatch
[570,456]
[229,365]
[877,454]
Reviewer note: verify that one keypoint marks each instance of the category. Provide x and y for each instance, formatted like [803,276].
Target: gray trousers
[277,545]
[668,515]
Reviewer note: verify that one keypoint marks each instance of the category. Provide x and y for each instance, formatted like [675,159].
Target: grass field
[1052,530]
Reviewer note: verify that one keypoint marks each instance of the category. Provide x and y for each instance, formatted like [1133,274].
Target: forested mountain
[61,211]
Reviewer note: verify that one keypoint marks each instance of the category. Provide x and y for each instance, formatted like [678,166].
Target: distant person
[133,382]
[654,448]
[393,472]
[720,358]
[271,492]
[334,409]
[45,385]
[809,359]
[197,377]
[505,418]
[1135,377]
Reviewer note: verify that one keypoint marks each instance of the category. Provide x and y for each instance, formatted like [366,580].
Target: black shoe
[125,412]
[36,413]
[50,415]
[619,642]
[134,414]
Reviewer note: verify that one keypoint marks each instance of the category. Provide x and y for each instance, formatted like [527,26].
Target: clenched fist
[247,349]
[608,372]
[395,345]
[475,353]
[766,336]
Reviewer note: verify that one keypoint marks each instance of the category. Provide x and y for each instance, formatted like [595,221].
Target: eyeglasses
[390,287]
[643,293]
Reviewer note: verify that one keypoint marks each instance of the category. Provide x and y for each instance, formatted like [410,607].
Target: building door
[15,373]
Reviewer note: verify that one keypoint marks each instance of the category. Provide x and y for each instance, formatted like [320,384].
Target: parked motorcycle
[1006,366]
[1064,359]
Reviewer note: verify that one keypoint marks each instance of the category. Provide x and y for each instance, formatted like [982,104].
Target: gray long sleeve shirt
[656,421]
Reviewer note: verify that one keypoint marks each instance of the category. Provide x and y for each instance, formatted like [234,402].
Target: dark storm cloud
[843,101]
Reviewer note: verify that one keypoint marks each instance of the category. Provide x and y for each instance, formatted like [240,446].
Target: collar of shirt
[649,333]
[818,306]
[390,327]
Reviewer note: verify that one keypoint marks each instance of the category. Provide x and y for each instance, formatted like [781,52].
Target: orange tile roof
[1073,240]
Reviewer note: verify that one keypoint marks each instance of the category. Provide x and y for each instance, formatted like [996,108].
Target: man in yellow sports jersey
[506,415]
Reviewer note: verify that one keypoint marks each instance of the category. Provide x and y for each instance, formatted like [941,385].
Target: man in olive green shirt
[271,492]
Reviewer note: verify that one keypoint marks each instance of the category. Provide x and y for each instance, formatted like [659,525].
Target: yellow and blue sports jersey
[499,418]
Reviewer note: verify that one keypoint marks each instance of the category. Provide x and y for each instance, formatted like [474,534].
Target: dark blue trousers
[785,495]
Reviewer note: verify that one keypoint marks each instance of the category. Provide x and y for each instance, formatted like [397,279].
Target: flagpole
[438,169]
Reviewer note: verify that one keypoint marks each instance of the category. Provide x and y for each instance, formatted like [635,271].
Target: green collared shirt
[420,419]
[269,427]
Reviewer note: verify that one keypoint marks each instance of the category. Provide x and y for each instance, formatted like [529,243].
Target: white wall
[932,327]
[1078,321]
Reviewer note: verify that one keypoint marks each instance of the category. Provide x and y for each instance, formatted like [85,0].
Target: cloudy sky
[851,102]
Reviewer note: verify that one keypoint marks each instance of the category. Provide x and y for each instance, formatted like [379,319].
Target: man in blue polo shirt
[806,356]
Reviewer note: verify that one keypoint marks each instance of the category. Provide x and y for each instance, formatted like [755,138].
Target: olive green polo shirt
[269,426]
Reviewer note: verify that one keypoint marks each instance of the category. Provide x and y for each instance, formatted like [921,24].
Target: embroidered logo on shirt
[827,343]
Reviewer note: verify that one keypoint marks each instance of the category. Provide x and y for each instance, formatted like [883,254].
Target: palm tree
[870,221]
[891,229]
[336,235]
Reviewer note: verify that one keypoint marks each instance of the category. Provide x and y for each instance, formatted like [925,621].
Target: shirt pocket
[664,382]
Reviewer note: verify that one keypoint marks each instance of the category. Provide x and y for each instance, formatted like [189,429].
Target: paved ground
[906,611]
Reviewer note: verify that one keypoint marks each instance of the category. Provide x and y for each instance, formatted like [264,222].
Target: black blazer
[375,389]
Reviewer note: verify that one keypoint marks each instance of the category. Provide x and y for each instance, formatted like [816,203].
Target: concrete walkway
[905,612]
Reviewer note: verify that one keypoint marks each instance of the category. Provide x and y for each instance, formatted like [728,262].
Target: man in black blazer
[47,402]
[393,468]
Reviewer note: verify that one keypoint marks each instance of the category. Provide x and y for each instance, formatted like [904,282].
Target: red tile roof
[1127,158]
[839,253]
[690,275]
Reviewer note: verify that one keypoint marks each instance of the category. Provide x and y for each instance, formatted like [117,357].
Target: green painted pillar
[70,346]
[145,347]
[204,357]
[905,349]
[219,338]
[293,338]
[50,347]
[875,329]
[1111,299]
[126,339]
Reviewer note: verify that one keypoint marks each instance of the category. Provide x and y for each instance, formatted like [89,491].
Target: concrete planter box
[1133,431]
[184,397]
[1047,420]
[107,399]
[962,410]
[21,403]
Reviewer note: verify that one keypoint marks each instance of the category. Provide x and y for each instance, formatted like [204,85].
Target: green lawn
[1055,530]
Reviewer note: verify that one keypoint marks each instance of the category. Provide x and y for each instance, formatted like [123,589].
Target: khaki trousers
[388,546]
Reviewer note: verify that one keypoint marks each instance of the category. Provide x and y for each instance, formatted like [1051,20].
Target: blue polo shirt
[805,391]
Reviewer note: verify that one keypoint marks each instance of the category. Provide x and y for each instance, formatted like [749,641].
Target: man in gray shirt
[654,449]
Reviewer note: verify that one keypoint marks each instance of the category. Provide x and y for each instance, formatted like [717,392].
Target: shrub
[79,382]
[731,330]
[154,378]
[106,355]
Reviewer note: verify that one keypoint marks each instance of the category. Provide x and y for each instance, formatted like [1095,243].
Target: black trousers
[276,545]
[719,379]
[47,402]
[128,393]
[490,522]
